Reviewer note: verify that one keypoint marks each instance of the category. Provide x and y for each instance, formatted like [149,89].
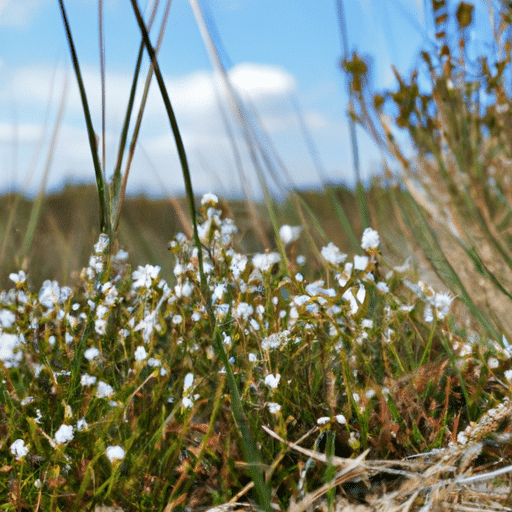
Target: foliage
[371,360]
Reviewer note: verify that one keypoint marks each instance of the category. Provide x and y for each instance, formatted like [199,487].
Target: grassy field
[290,355]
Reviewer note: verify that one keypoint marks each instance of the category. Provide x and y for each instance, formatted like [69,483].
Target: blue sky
[277,50]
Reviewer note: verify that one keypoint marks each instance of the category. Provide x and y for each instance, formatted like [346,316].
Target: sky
[278,53]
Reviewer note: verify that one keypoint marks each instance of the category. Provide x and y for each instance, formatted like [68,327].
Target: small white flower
[49,294]
[272,381]
[367,323]
[115,453]
[10,349]
[20,277]
[18,449]
[493,363]
[341,419]
[81,425]
[243,310]
[264,262]
[254,324]
[442,303]
[383,287]
[91,353]
[253,358]
[361,293]
[104,390]
[218,292]
[462,438]
[332,254]
[370,239]
[121,256]
[101,244]
[209,198]
[187,403]
[323,420]
[273,407]
[289,234]
[360,262]
[354,306]
[301,259]
[87,380]
[189,379]
[144,276]
[140,353]
[238,264]
[64,434]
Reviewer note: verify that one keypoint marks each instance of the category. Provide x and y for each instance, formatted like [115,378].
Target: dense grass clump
[113,392]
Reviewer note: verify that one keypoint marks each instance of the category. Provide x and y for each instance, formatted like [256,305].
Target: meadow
[206,354]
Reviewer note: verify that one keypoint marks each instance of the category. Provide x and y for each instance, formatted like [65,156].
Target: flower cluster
[102,356]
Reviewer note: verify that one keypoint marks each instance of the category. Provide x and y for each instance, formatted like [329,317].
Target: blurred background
[280,56]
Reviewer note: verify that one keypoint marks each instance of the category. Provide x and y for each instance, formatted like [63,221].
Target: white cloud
[256,80]
[193,98]
[19,13]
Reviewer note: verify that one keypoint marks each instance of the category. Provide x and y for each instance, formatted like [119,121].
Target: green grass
[251,367]
[366,361]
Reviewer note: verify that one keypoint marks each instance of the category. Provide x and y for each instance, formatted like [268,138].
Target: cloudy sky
[279,53]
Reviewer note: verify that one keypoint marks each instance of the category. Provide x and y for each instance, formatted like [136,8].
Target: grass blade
[105,225]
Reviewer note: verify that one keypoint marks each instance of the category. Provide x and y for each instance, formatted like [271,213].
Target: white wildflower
[428,315]
[323,420]
[382,287]
[50,294]
[493,363]
[218,292]
[209,198]
[187,383]
[144,276]
[442,303]
[87,380]
[341,419]
[187,402]
[115,453]
[289,234]
[11,349]
[18,449]
[264,262]
[332,254]
[91,353]
[238,264]
[360,262]
[367,323]
[64,434]
[104,390]
[370,239]
[140,353]
[272,381]
[101,245]
[273,407]
[18,278]
[243,310]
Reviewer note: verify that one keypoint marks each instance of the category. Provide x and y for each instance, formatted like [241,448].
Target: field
[329,350]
